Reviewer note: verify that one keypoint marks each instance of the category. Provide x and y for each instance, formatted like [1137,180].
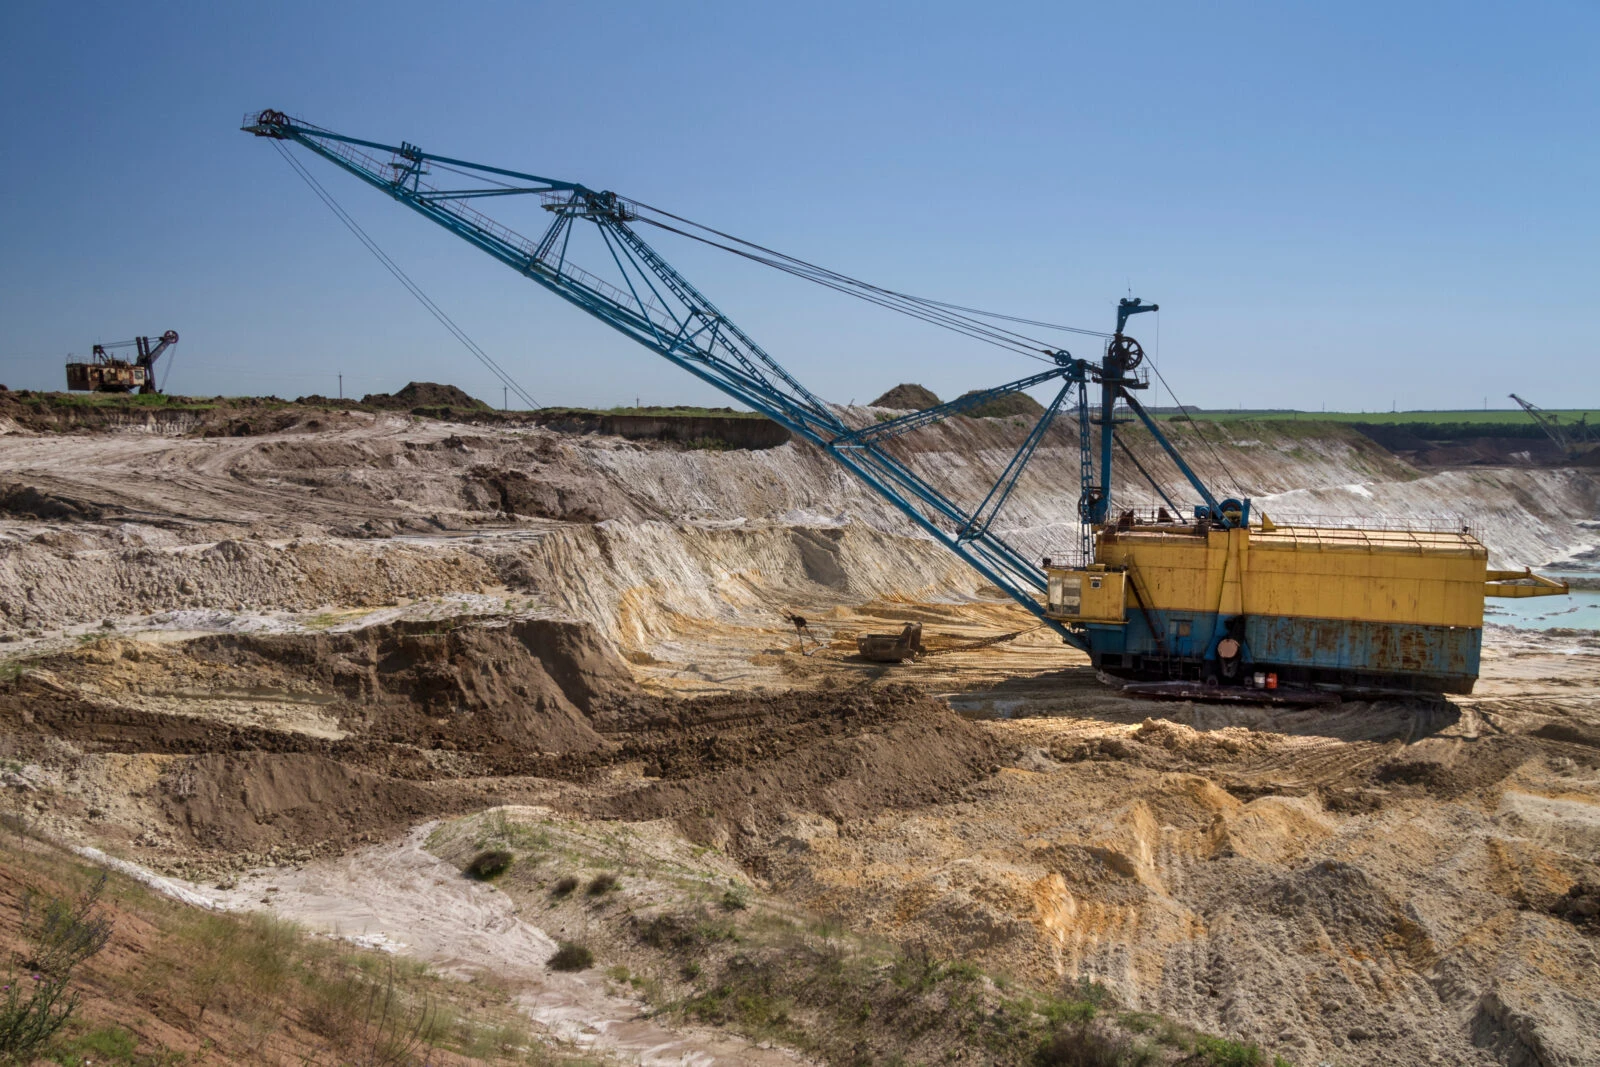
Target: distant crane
[1566,438]
[113,374]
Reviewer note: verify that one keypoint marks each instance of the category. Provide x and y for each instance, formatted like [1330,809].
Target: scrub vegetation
[672,927]
[100,970]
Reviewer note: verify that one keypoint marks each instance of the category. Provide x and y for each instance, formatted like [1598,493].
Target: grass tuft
[1086,1045]
[487,866]
[1222,1052]
[572,956]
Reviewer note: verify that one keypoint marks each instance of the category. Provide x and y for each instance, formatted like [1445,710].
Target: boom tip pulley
[268,123]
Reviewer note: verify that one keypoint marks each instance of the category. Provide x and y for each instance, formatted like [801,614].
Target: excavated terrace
[238,651]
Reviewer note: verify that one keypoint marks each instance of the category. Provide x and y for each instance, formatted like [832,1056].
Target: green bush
[1220,1052]
[565,887]
[489,865]
[59,934]
[602,884]
[572,956]
[1084,1045]
[110,1045]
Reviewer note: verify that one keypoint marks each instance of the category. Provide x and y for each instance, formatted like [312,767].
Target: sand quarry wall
[633,537]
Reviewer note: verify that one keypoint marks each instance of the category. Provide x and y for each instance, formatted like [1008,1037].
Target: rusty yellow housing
[1385,608]
[1094,594]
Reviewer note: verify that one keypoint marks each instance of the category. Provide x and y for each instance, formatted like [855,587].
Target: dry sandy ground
[1374,883]
[1369,883]
[400,897]
[157,526]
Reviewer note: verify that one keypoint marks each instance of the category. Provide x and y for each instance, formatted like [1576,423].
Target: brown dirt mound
[223,421]
[534,683]
[1341,901]
[908,396]
[522,694]
[550,495]
[1448,774]
[1580,907]
[1571,733]
[1165,745]
[28,502]
[253,802]
[732,768]
[424,395]
[428,712]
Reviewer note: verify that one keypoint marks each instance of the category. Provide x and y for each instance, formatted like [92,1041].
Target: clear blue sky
[1352,204]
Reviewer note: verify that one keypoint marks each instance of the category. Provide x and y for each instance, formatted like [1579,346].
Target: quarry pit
[332,651]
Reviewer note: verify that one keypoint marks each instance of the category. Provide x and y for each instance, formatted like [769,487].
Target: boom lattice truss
[659,308]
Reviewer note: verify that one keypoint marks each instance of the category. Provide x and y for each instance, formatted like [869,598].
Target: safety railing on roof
[1135,517]
[1400,524]
[1066,557]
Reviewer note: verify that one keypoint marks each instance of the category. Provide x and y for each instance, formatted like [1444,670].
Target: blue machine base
[1164,644]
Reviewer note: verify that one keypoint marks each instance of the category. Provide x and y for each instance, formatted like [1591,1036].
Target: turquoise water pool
[1577,611]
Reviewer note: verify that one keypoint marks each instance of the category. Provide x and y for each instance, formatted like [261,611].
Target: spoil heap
[908,396]
[290,744]
[424,395]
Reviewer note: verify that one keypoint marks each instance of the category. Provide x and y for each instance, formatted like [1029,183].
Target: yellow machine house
[1352,607]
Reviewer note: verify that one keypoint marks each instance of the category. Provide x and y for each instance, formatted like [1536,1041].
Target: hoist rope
[404,279]
[846,279]
[798,262]
[1183,411]
[959,318]
[979,331]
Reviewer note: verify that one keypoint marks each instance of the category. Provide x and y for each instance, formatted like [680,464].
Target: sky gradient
[1354,205]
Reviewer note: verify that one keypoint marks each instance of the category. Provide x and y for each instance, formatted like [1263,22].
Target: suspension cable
[957,317]
[166,373]
[1184,411]
[976,330]
[404,279]
[846,279]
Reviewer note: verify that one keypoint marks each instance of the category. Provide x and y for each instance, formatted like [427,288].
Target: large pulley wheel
[1126,352]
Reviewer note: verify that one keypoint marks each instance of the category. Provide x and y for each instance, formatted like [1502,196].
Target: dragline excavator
[113,374]
[1206,599]
[1571,438]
